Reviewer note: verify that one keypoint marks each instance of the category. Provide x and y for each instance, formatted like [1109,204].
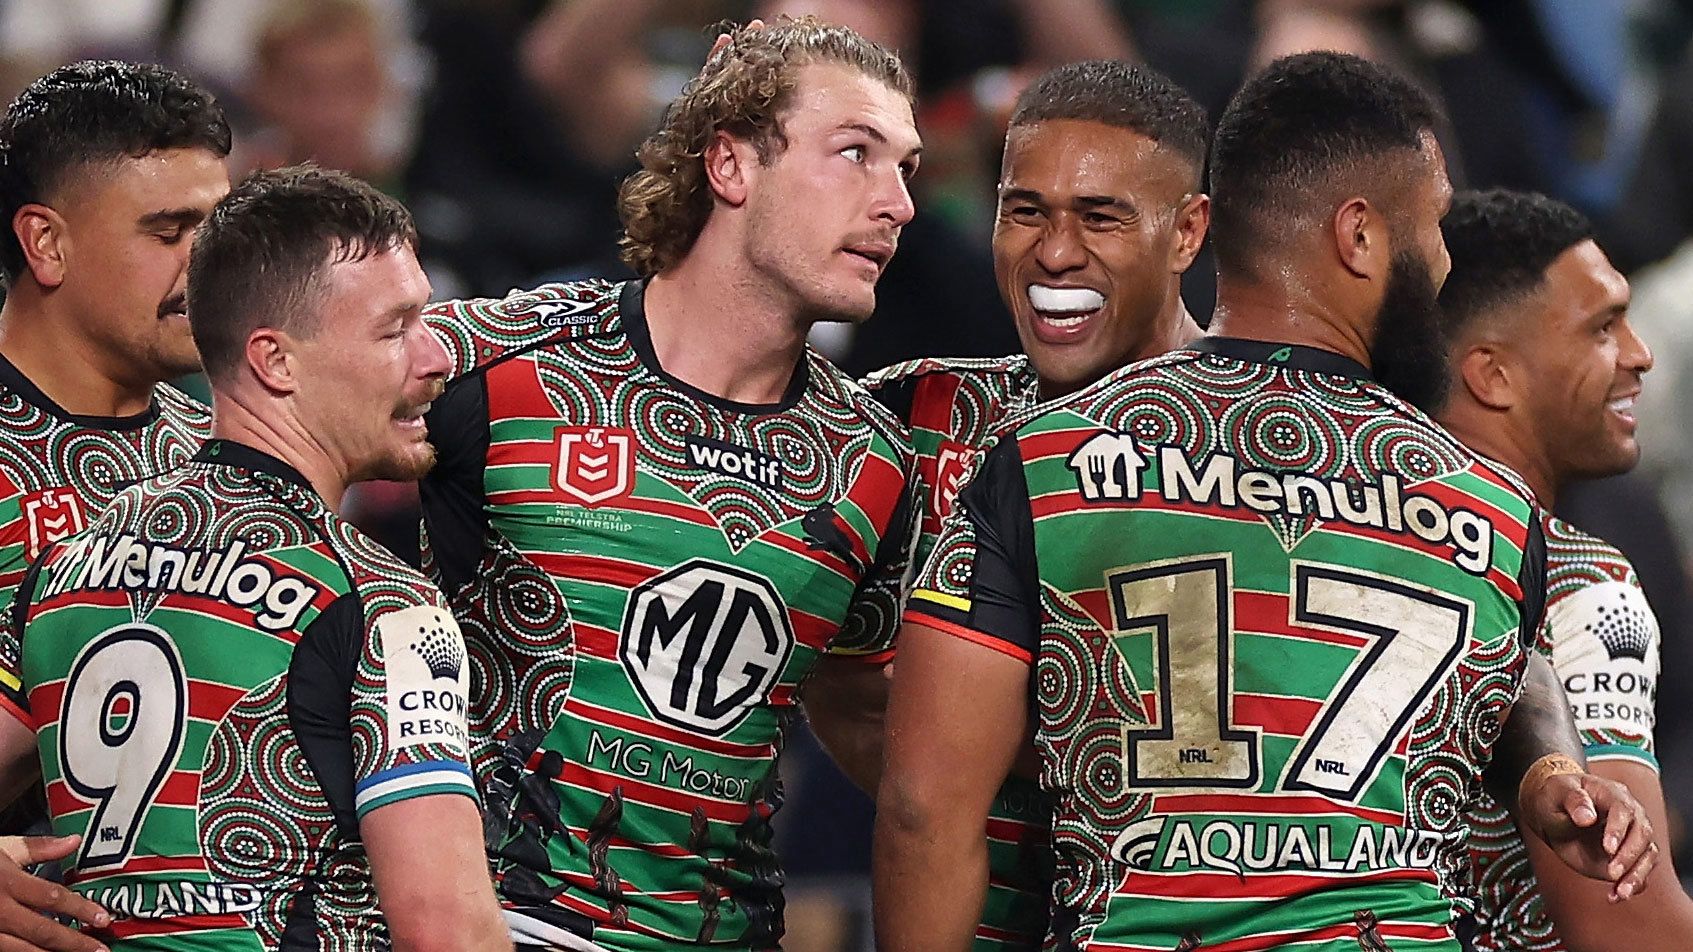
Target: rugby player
[1545,372]
[248,709]
[1272,611]
[1100,213]
[107,169]
[663,521]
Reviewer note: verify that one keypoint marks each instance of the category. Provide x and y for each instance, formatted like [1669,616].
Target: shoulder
[833,386]
[480,332]
[1002,373]
[181,410]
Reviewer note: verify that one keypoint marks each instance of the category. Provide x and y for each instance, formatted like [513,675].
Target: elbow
[908,807]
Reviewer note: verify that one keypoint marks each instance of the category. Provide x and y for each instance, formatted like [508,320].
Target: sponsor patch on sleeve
[428,678]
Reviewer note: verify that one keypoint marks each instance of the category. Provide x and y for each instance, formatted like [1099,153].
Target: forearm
[1538,724]
[930,877]
[846,702]
[855,744]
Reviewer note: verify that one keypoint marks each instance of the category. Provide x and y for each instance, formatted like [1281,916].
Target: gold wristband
[1545,769]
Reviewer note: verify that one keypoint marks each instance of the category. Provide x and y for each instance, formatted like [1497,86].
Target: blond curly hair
[743,90]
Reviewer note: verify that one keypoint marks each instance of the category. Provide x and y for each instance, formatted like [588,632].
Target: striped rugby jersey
[646,575]
[1602,639]
[1273,618]
[953,406]
[224,678]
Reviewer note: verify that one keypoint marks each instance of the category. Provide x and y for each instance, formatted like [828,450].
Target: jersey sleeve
[872,618]
[407,709]
[981,580]
[453,493]
[1603,642]
[14,610]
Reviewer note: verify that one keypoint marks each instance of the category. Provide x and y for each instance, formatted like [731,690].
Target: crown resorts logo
[440,651]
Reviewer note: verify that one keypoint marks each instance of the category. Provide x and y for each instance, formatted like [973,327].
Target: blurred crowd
[507,124]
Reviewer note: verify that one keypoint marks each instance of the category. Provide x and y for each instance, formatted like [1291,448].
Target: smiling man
[663,522]
[1546,369]
[1100,213]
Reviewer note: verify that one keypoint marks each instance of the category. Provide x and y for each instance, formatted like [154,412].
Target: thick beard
[1408,355]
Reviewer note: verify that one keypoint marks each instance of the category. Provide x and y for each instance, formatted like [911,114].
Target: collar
[1296,356]
[241,456]
[632,310]
[14,380]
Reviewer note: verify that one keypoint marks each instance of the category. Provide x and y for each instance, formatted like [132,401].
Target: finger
[1631,849]
[24,931]
[1635,882]
[49,897]
[1579,806]
[717,46]
[42,849]
[1619,820]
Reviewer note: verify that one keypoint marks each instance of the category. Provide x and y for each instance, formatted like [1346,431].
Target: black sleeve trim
[1004,587]
[1532,579]
[454,495]
[320,686]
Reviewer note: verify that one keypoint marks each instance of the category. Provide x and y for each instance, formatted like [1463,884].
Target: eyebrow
[185,217]
[1084,201]
[874,133]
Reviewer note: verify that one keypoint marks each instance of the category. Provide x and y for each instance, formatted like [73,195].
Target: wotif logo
[735,461]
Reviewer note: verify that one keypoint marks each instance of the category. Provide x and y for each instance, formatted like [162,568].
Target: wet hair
[1302,136]
[262,258]
[89,114]
[1501,243]
[1120,94]
[743,90]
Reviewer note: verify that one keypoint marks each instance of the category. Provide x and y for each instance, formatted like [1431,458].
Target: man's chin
[407,466]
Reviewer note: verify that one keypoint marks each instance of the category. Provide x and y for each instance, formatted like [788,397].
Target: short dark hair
[1501,243]
[1296,130]
[1120,94]
[91,113]
[261,258]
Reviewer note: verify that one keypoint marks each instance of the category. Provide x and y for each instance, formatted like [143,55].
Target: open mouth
[174,306]
[878,254]
[1064,309]
[1623,406]
[411,418]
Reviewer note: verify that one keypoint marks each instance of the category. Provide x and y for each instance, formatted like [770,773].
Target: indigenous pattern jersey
[646,575]
[953,408]
[57,470]
[1273,616]
[1602,639]
[224,678]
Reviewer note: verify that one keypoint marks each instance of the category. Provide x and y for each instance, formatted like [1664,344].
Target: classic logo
[595,463]
[554,312]
[951,460]
[704,643]
[52,514]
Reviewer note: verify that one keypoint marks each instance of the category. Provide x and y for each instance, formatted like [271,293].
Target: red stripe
[97,597]
[11,707]
[593,568]
[581,775]
[1006,648]
[1252,804]
[1017,831]
[877,492]
[932,400]
[879,658]
[131,928]
[1286,716]
[1034,446]
[1262,943]
[822,557]
[628,722]
[515,391]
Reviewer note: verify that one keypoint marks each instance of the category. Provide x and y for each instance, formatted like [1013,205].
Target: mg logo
[704,643]
[595,463]
[52,514]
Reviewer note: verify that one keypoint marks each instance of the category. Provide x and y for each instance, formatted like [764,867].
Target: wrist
[1544,769]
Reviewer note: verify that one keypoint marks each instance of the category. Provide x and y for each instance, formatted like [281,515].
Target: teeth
[1624,405]
[1049,300]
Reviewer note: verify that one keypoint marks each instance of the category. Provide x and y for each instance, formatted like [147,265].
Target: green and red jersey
[646,575]
[953,407]
[1602,639]
[1273,617]
[224,678]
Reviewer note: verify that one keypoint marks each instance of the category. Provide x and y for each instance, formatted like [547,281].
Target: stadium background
[506,124]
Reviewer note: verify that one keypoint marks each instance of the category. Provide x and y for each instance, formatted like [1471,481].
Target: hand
[1596,827]
[723,40]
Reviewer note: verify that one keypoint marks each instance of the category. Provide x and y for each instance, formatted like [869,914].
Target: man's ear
[1360,239]
[1486,371]
[45,240]
[270,354]
[1193,220]
[729,164]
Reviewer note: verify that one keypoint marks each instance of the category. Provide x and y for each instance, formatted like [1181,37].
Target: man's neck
[65,365]
[713,329]
[235,419]
[1491,435]
[1279,315]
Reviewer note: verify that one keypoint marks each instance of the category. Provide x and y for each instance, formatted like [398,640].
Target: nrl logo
[595,463]
[52,514]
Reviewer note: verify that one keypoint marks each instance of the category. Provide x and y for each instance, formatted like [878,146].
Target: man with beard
[107,169]
[1100,213]
[662,520]
[1546,372]
[1267,614]
[246,708]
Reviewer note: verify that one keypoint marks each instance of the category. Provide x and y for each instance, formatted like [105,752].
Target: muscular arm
[1539,724]
[444,904]
[1658,920]
[846,701]
[957,718]
[19,764]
